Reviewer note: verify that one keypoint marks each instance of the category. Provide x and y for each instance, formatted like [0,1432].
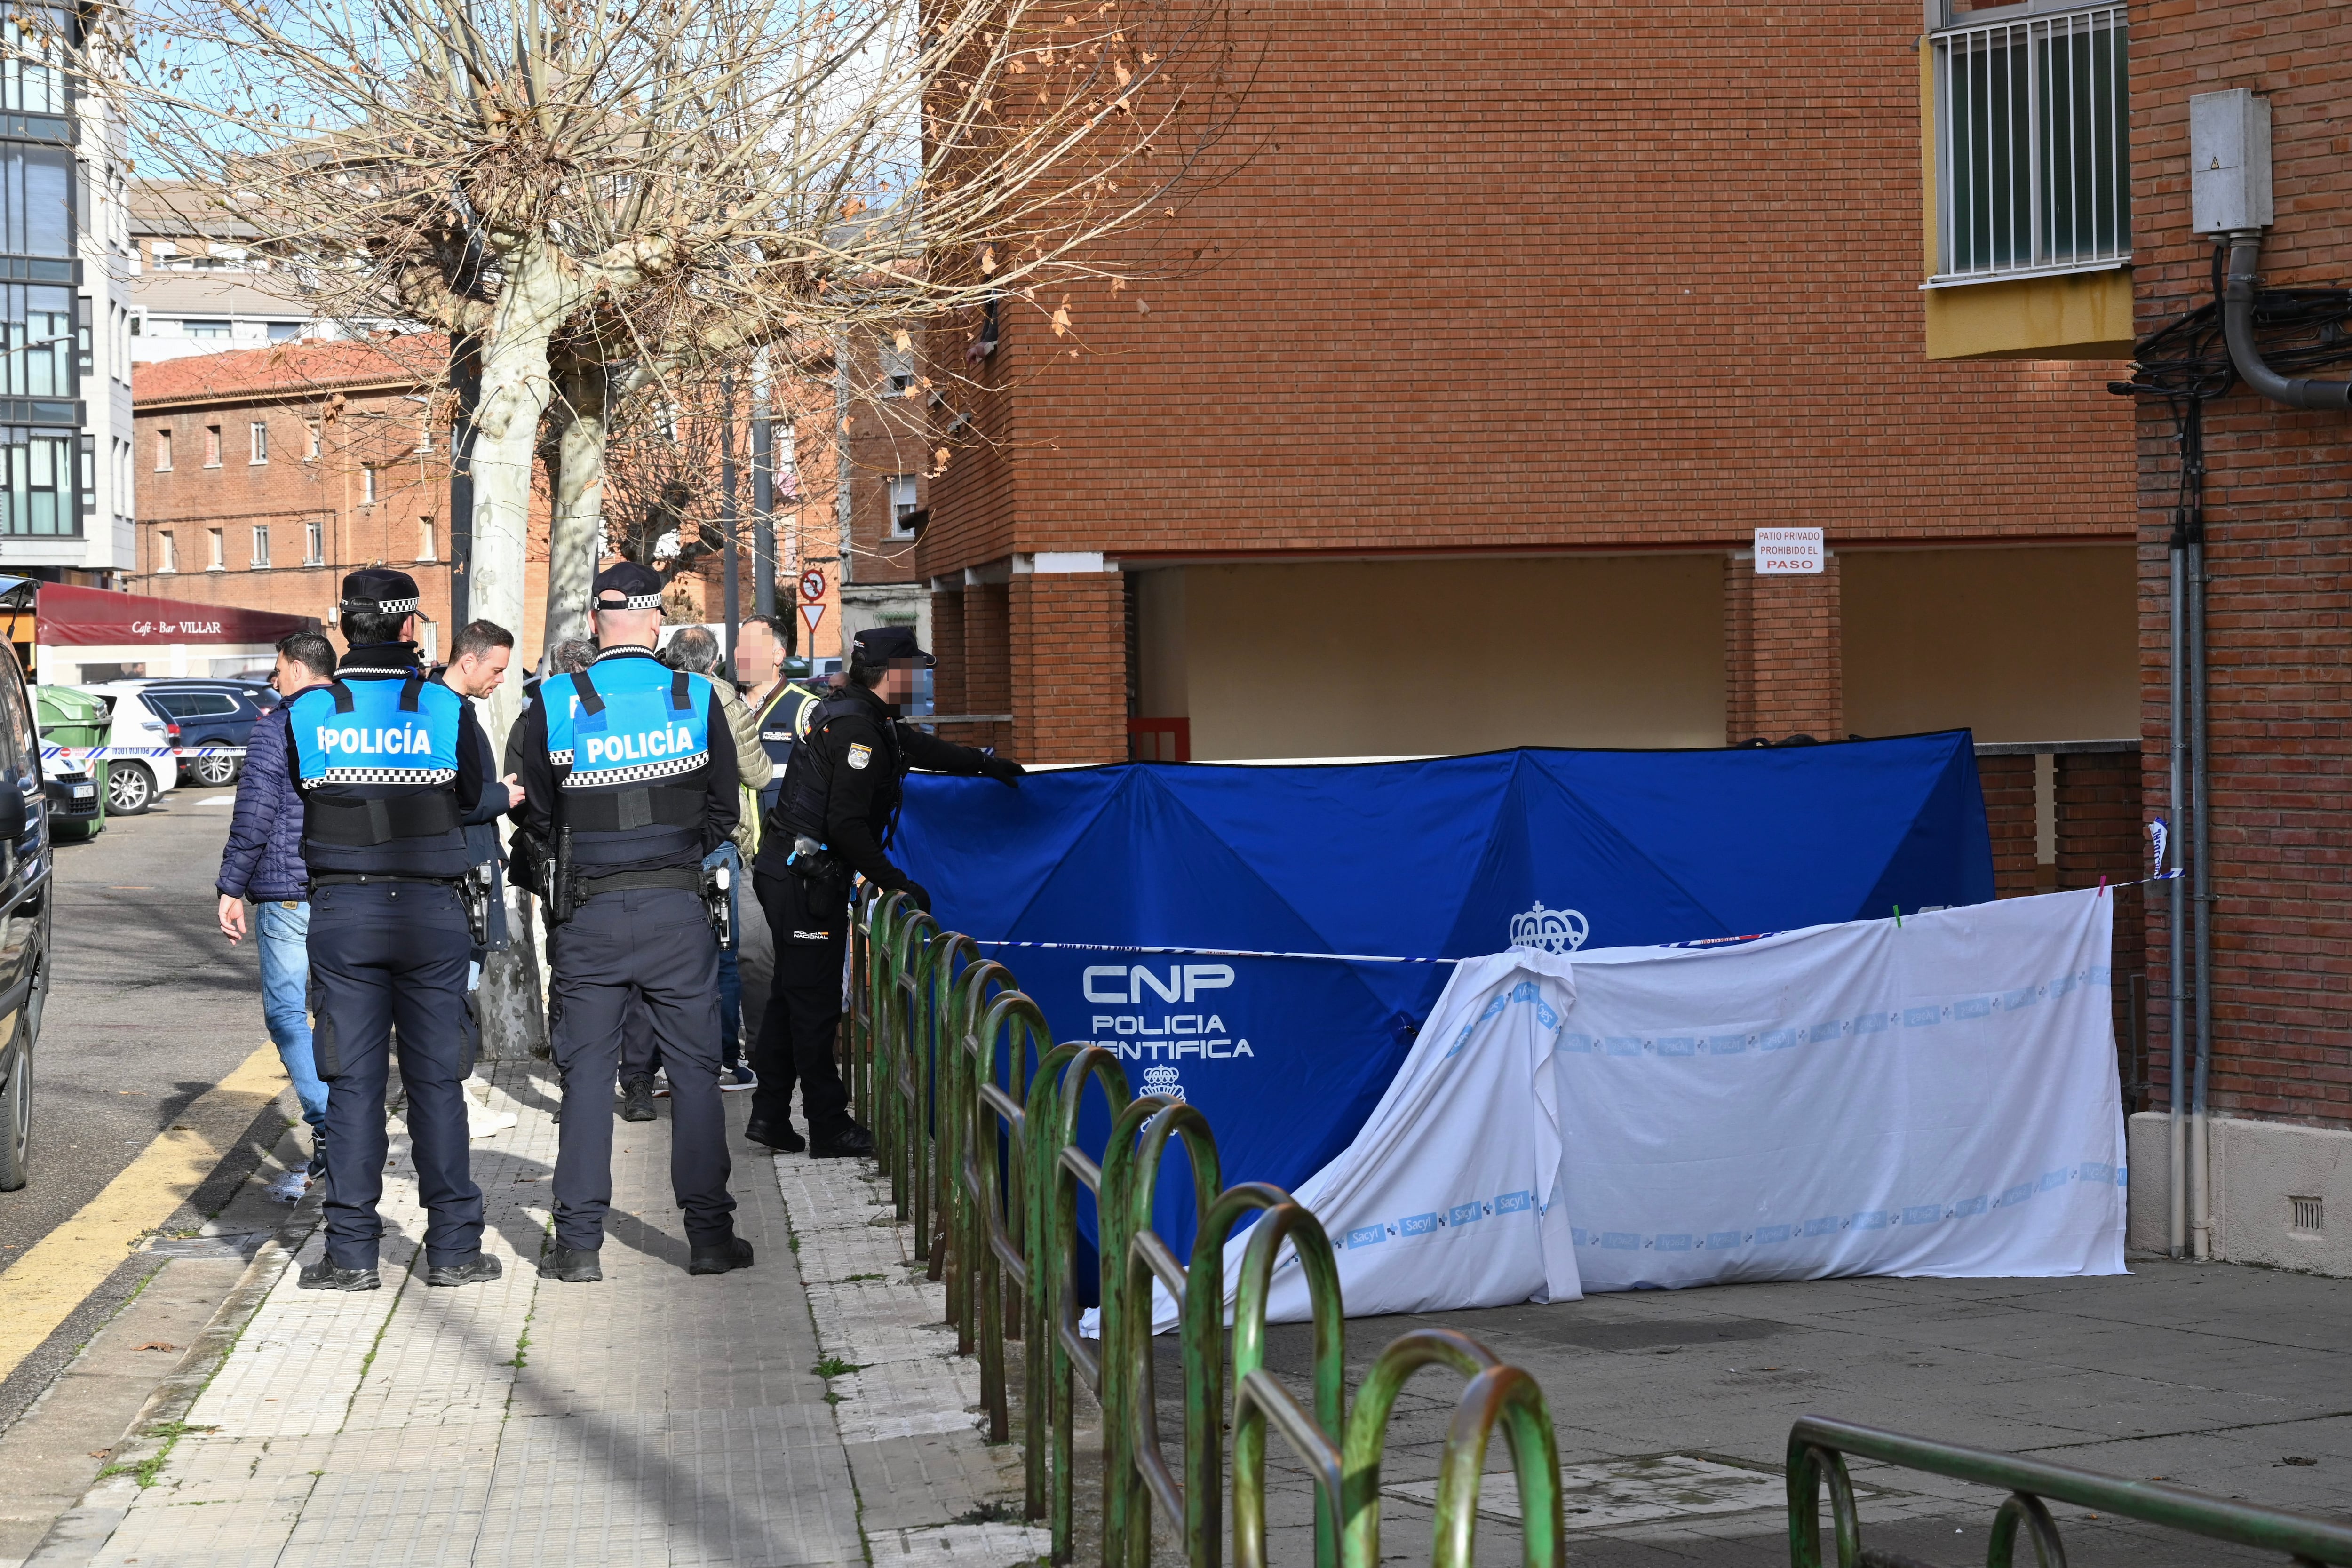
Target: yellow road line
[40,1289]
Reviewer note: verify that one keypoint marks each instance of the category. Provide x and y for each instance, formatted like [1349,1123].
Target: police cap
[625,585]
[880,646]
[380,591]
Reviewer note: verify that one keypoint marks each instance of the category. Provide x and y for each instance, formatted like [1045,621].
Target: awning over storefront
[92,617]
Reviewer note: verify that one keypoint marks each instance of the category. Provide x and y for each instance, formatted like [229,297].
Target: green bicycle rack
[1817,1455]
[975,1113]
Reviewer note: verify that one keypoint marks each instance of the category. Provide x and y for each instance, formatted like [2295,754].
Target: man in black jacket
[836,818]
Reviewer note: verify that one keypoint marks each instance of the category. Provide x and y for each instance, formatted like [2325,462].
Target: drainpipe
[2176,1232]
[2200,1171]
[2238,328]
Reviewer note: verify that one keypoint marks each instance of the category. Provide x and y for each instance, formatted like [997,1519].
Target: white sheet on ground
[1937,1097]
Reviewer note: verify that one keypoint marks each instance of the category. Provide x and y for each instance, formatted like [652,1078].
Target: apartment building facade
[269,473]
[1515,328]
[65,494]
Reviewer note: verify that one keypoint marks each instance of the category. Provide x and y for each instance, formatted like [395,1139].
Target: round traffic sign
[811,584]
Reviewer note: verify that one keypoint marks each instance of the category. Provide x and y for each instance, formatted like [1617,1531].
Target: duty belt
[688,878]
[365,878]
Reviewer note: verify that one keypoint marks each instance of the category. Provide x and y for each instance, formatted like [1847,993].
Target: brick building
[850,452]
[1512,331]
[2276,1185]
[267,475]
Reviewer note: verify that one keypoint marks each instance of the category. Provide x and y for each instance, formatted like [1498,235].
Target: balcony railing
[2032,155]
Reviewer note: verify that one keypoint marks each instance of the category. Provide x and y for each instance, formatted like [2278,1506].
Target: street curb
[82,1531]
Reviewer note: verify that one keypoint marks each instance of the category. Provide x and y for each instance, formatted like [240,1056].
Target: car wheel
[214,771]
[130,788]
[16,1114]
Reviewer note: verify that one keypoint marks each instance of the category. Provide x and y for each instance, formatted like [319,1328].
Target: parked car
[76,789]
[24,879]
[133,783]
[218,712]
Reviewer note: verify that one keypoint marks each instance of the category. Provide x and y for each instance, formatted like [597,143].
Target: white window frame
[261,547]
[314,543]
[217,539]
[169,551]
[163,451]
[261,438]
[2070,120]
[914,502]
[367,484]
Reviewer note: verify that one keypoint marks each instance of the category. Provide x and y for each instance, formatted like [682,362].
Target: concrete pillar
[1784,669]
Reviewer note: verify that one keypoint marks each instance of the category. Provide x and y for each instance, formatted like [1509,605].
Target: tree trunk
[577,532]
[541,289]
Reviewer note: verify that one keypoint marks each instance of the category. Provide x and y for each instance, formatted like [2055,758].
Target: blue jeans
[285,932]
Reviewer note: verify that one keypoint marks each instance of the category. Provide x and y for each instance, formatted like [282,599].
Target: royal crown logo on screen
[1552,930]
[1164,1011]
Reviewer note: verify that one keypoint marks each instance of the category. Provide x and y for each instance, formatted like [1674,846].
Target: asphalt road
[149,1007]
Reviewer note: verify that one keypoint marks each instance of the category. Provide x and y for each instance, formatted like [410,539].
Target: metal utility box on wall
[2228,161]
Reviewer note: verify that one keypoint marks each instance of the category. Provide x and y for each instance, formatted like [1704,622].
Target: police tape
[1199,952]
[111,753]
[2104,886]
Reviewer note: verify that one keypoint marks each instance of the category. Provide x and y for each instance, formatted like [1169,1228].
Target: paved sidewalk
[652,1418]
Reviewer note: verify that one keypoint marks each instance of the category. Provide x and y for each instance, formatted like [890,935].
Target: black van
[25,875]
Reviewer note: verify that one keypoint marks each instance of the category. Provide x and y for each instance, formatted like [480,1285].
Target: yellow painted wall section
[2076,315]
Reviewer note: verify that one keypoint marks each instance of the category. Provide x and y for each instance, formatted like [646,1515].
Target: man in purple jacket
[263,861]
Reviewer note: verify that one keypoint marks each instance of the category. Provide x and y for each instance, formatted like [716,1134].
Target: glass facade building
[47,478]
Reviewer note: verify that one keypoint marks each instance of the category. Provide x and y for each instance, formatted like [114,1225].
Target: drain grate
[2308,1217]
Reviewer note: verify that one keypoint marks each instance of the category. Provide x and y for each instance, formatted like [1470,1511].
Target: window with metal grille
[2033,166]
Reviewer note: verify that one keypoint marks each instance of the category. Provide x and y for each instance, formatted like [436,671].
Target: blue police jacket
[628,748]
[385,780]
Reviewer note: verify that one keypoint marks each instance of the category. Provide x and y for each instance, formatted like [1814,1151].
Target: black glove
[1003,770]
[917,895]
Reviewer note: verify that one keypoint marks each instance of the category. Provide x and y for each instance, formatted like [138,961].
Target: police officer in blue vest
[629,780]
[386,784]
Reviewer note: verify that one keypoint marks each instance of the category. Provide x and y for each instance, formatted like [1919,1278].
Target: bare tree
[595,197]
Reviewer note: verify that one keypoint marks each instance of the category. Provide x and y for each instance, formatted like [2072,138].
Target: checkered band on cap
[634,601]
[381,607]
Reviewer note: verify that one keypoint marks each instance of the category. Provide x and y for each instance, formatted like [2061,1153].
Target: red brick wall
[290,490]
[2279,557]
[1783,658]
[1558,276]
[2007,785]
[1070,629]
[2099,833]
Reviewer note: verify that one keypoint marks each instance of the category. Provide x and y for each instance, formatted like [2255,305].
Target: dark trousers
[385,956]
[640,1057]
[795,1041]
[649,949]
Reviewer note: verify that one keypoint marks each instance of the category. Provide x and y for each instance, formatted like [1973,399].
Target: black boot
[775,1135]
[470,1270]
[848,1142]
[719,1257]
[572,1265]
[324,1276]
[637,1099]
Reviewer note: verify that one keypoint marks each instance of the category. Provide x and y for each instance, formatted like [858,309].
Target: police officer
[386,784]
[629,780]
[836,816]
